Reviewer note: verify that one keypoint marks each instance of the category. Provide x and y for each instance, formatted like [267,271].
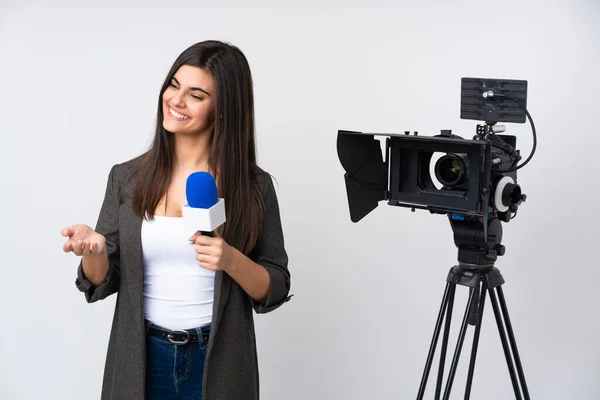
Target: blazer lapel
[222,289]
[131,252]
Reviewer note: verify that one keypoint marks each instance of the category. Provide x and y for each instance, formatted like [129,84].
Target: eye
[172,85]
[197,97]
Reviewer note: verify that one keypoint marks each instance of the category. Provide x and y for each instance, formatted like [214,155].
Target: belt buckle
[185,341]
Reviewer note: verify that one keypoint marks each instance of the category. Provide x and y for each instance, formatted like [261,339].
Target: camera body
[475,176]
[470,173]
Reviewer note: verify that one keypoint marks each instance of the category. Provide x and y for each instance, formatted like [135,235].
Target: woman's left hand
[213,253]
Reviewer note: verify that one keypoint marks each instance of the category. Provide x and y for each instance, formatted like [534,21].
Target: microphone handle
[204,233]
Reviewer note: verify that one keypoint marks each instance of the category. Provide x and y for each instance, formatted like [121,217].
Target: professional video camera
[472,181]
[476,179]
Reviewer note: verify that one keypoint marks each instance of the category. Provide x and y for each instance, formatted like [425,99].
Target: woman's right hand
[83,240]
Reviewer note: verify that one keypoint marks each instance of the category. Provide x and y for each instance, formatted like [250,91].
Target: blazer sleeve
[271,254]
[108,226]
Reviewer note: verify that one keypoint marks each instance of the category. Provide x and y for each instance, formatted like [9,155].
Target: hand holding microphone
[204,213]
[83,240]
[212,253]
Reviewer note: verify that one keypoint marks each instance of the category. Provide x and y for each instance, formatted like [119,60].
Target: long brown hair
[232,154]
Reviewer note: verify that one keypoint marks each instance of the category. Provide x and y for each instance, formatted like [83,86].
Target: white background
[80,84]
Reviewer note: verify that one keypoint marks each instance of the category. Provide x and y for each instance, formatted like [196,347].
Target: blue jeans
[174,370]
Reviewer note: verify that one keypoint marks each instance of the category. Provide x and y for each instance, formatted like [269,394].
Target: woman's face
[188,102]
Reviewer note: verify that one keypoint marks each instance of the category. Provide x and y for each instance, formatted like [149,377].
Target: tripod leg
[513,343]
[438,386]
[509,363]
[475,342]
[448,298]
[459,344]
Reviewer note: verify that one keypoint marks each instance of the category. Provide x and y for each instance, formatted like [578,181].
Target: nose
[177,100]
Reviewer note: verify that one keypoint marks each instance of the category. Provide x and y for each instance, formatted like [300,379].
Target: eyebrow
[192,88]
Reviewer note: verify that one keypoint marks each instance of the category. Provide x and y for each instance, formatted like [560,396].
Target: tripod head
[478,245]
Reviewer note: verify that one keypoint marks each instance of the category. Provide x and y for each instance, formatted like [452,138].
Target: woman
[183,324]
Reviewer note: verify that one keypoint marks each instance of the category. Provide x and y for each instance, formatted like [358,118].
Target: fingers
[207,262]
[208,266]
[206,240]
[211,250]
[76,246]
[206,258]
[194,237]
[207,255]
[81,247]
[85,248]
[72,245]
[68,231]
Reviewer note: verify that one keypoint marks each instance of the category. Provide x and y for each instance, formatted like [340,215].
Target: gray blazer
[231,369]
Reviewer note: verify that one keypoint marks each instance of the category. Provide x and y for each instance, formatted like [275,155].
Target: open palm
[83,240]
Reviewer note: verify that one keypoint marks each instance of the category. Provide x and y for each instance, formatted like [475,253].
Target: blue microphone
[201,190]
[204,210]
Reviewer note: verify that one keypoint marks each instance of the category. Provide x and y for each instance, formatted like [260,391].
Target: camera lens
[452,169]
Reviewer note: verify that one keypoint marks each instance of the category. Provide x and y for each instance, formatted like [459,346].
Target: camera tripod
[475,270]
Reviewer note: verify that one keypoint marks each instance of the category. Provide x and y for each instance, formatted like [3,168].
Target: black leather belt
[180,337]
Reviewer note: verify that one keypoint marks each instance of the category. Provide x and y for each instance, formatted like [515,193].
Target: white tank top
[178,292]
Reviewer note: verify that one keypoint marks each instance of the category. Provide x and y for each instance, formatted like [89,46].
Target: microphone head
[201,190]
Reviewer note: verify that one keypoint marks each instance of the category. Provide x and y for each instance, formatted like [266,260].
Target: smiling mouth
[177,115]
